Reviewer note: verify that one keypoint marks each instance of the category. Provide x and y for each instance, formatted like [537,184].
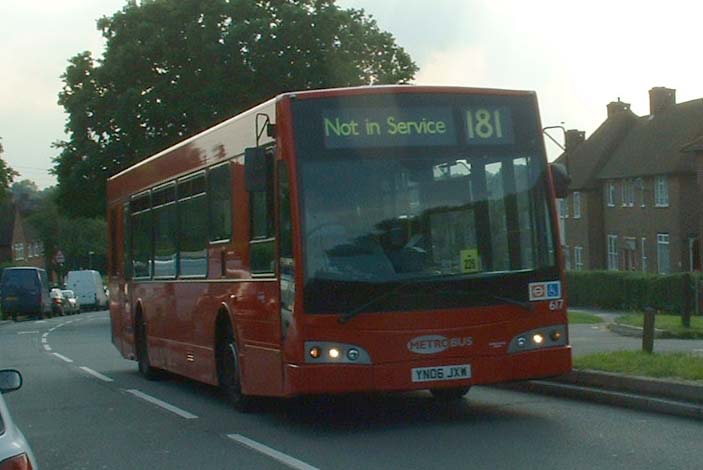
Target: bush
[629,290]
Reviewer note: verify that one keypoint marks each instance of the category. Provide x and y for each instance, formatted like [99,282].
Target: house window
[630,252]
[628,193]
[19,251]
[564,208]
[577,205]
[661,192]
[640,189]
[578,258]
[644,254]
[613,252]
[567,257]
[562,221]
[663,255]
[611,193]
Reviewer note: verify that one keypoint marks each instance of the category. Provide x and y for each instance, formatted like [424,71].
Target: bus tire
[448,395]
[229,371]
[145,368]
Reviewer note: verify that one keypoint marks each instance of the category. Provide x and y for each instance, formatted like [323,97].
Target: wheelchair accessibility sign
[544,290]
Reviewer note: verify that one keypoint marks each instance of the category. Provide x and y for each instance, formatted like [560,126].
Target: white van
[88,287]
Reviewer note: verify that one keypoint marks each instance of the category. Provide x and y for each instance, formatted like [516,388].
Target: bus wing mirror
[256,168]
[560,180]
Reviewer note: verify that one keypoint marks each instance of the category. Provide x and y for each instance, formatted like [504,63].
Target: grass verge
[577,317]
[660,365]
[670,324]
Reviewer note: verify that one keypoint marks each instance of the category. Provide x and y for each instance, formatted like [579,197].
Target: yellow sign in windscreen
[470,262]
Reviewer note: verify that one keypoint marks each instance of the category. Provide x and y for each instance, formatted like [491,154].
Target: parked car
[15,452]
[58,303]
[25,291]
[72,305]
[88,287]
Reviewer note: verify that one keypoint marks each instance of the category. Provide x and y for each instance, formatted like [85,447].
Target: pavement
[668,396]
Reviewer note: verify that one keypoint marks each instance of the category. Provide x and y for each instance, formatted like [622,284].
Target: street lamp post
[90,259]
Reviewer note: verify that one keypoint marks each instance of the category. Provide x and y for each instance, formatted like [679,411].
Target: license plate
[11,299]
[436,374]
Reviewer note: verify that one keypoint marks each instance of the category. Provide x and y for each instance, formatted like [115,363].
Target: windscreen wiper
[357,310]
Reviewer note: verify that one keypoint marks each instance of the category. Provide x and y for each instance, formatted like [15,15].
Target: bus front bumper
[344,378]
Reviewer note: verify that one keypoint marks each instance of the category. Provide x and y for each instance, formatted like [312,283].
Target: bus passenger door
[259,318]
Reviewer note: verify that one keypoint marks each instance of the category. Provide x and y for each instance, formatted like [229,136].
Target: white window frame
[577,205]
[19,251]
[613,258]
[643,242]
[640,186]
[578,258]
[661,191]
[611,193]
[567,257]
[663,243]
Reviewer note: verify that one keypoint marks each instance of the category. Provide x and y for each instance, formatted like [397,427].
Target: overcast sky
[578,56]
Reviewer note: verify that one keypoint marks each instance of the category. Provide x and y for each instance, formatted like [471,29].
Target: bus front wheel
[145,368]
[447,395]
[229,371]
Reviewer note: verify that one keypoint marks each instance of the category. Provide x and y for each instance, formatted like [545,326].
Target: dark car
[25,291]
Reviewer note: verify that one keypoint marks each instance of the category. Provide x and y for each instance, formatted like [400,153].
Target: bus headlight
[324,352]
[547,337]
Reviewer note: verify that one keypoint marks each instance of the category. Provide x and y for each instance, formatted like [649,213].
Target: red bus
[348,240]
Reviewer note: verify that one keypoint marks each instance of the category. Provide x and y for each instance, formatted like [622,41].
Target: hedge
[621,290]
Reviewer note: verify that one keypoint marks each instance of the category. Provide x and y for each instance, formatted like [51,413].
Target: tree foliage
[7,175]
[75,237]
[174,67]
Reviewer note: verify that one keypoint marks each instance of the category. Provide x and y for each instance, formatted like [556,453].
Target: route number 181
[484,124]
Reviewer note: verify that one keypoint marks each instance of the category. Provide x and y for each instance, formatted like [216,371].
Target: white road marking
[40,321]
[28,332]
[98,375]
[45,335]
[162,404]
[273,453]
[47,347]
[43,340]
[63,358]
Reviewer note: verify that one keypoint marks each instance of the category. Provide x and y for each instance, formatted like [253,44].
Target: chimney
[615,107]
[573,139]
[660,98]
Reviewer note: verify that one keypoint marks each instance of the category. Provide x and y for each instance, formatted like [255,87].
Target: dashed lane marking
[63,358]
[34,332]
[162,404]
[98,375]
[285,459]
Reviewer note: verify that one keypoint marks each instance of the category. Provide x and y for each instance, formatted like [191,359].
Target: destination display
[388,127]
[415,126]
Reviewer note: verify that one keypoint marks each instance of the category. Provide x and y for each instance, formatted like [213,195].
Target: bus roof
[228,138]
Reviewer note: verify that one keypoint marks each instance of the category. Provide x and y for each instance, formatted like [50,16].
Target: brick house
[25,247]
[634,198]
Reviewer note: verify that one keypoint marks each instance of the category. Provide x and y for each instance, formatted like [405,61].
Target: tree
[174,67]
[7,175]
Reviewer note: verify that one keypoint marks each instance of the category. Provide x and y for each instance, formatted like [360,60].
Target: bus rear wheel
[145,368]
[447,395]
[229,371]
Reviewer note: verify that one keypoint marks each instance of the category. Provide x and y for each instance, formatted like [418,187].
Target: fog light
[555,335]
[537,338]
[521,342]
[315,352]
[353,354]
[334,353]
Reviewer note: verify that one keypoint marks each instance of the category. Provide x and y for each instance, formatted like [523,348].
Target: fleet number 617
[556,304]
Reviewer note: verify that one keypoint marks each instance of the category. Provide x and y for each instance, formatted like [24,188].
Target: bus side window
[126,246]
[220,202]
[192,226]
[262,247]
[142,236]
